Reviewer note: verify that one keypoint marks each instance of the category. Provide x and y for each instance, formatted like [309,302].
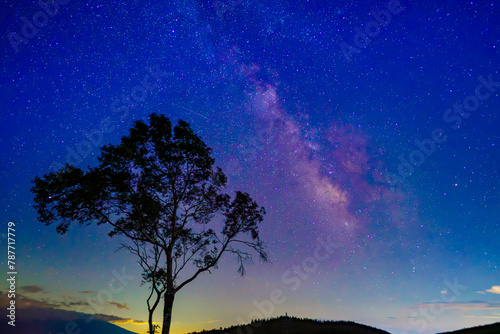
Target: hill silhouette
[486,329]
[293,325]
[59,326]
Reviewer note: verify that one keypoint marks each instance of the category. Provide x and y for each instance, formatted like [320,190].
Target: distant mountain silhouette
[487,329]
[58,326]
[292,325]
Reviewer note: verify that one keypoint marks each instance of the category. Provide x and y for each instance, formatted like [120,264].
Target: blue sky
[369,126]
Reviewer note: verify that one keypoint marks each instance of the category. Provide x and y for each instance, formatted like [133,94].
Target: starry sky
[367,129]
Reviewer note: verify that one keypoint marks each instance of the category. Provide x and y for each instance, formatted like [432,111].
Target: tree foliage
[159,188]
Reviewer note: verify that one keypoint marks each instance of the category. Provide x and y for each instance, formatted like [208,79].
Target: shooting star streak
[189,110]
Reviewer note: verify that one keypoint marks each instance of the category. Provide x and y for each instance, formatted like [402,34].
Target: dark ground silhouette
[486,329]
[293,325]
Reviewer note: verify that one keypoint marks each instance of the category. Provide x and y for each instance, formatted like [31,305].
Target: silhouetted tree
[150,259]
[160,189]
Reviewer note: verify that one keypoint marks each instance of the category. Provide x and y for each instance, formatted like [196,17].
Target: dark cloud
[118,320]
[31,289]
[119,305]
[74,303]
[33,309]
[465,306]
[26,302]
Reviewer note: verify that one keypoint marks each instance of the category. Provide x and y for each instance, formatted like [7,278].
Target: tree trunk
[151,310]
[150,321]
[167,312]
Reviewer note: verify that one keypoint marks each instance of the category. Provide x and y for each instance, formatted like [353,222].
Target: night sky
[371,140]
